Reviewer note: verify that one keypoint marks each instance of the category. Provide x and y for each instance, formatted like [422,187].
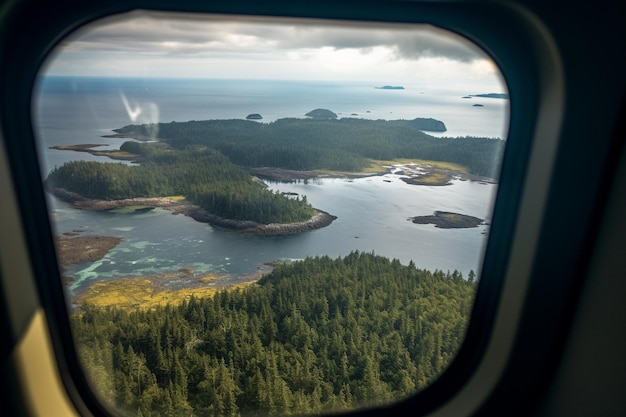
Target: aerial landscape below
[270,316]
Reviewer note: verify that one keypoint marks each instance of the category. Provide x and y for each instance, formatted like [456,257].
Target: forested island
[315,335]
[346,144]
[491,95]
[448,220]
[209,164]
[226,194]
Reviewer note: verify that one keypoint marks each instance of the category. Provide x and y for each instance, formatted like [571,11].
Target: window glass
[267,217]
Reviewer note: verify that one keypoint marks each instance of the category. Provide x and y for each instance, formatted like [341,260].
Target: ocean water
[372,212]
[74,110]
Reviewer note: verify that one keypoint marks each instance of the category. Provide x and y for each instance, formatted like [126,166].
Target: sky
[149,44]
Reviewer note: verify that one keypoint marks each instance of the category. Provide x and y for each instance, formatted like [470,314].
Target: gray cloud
[188,36]
[407,43]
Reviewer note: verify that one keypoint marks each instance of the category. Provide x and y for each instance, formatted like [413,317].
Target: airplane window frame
[459,18]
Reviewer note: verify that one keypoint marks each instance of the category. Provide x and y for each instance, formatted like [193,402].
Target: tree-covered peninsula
[315,335]
[201,174]
[345,144]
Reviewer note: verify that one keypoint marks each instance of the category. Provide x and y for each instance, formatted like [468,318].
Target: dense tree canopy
[343,144]
[203,175]
[314,335]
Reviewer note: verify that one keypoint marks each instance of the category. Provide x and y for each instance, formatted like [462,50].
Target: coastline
[181,206]
[158,290]
[89,148]
[145,291]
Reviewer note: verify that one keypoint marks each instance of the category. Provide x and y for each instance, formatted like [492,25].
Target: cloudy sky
[157,45]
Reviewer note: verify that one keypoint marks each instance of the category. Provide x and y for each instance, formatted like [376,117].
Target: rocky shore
[180,206]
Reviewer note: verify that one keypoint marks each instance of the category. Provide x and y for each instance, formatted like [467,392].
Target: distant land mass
[390,87]
[478,105]
[342,144]
[321,114]
[420,123]
[489,95]
[254,116]
[448,220]
[427,124]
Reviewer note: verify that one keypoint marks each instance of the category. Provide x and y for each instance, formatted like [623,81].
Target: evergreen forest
[345,144]
[314,335]
[203,175]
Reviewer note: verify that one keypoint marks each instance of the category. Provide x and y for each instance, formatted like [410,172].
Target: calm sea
[372,212]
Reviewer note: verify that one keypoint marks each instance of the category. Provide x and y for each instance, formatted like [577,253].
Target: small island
[254,116]
[489,95]
[390,87]
[427,124]
[448,220]
[478,105]
[321,114]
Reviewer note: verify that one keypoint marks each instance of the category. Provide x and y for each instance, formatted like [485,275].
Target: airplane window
[261,216]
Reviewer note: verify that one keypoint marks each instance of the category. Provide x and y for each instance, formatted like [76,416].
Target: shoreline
[449,220]
[89,148]
[157,290]
[145,291]
[181,206]
[435,173]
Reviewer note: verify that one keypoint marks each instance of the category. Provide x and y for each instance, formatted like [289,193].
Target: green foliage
[317,335]
[344,144]
[203,175]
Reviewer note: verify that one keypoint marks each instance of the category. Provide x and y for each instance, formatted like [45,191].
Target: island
[194,169]
[490,95]
[390,87]
[254,116]
[448,220]
[90,148]
[427,124]
[478,105]
[321,114]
